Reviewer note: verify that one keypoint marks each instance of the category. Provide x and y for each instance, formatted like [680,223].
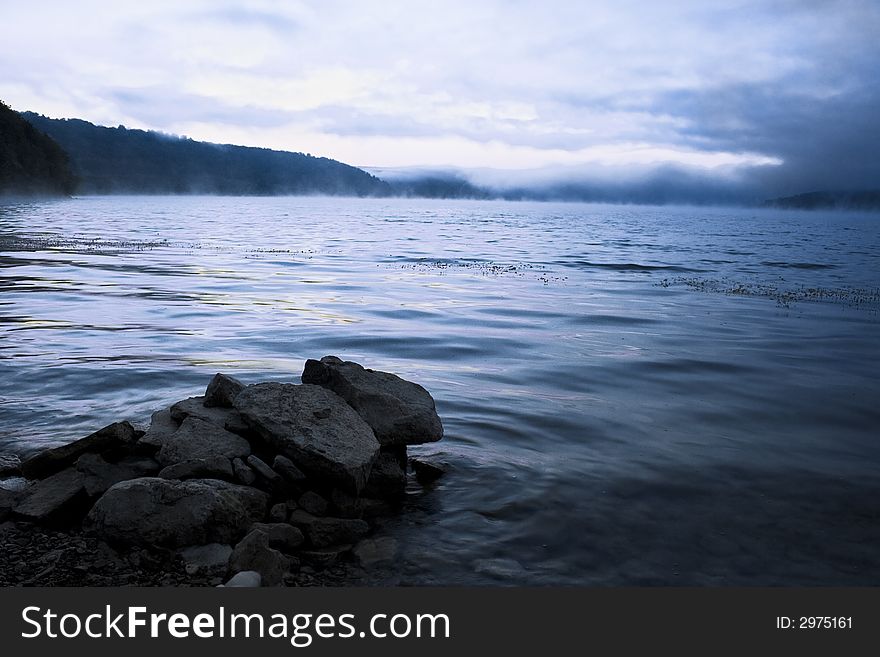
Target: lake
[631,395]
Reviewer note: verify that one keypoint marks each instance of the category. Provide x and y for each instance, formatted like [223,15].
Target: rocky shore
[267,484]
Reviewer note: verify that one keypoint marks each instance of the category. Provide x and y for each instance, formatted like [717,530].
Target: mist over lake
[631,395]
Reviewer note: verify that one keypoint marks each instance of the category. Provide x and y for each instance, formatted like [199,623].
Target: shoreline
[193,500]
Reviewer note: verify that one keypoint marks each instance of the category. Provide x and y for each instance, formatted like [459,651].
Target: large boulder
[222,391]
[314,428]
[50,461]
[163,512]
[400,412]
[198,439]
[162,427]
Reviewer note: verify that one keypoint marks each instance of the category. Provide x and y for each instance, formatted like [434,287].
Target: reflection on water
[631,395]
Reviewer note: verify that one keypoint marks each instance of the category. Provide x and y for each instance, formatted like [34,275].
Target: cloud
[783,91]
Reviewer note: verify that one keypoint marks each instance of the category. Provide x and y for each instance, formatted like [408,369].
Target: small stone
[245,579]
[54,498]
[265,475]
[211,559]
[254,553]
[313,503]
[99,475]
[282,536]
[243,473]
[162,427]
[375,551]
[287,469]
[325,557]
[387,478]
[278,512]
[426,472]
[222,391]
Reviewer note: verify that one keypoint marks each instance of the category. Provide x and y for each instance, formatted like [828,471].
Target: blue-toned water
[631,395]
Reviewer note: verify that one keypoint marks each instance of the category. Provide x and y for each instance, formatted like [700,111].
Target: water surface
[631,395]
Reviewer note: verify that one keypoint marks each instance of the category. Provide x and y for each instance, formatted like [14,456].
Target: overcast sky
[784,91]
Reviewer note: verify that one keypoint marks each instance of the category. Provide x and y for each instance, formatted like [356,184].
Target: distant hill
[863,200]
[123,161]
[30,161]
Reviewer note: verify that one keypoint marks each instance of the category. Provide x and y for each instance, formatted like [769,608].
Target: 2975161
[814,622]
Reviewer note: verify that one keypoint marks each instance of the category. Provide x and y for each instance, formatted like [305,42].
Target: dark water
[630,395]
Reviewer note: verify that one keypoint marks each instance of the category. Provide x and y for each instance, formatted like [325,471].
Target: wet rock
[8,500]
[301,518]
[375,551]
[314,428]
[197,439]
[99,474]
[282,536]
[222,391]
[387,478]
[313,503]
[10,465]
[287,469]
[426,472]
[55,498]
[254,553]
[400,412]
[206,560]
[116,435]
[322,532]
[162,427]
[215,467]
[171,513]
[345,504]
[243,473]
[245,579]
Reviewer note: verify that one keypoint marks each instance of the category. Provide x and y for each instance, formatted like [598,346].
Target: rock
[375,551]
[165,512]
[400,412]
[99,475]
[282,536]
[287,469]
[15,484]
[10,465]
[508,569]
[206,560]
[322,532]
[45,463]
[222,391]
[254,553]
[197,439]
[313,427]
[243,473]
[325,557]
[371,508]
[313,503]
[162,427]
[426,472]
[278,512]
[245,579]
[215,467]
[269,478]
[225,418]
[55,498]
[301,518]
[387,478]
